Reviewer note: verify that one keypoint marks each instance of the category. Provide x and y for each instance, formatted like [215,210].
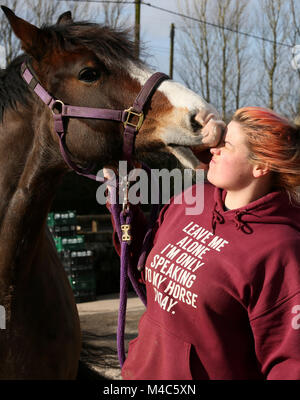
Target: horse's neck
[29,181]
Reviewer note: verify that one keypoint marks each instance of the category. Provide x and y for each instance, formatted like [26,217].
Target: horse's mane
[113,47]
[12,87]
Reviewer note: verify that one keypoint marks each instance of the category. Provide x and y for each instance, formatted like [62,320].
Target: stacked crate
[76,258]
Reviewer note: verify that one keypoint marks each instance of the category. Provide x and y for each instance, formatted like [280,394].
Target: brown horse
[83,64]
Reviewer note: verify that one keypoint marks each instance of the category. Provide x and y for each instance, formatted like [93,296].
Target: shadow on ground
[96,354]
[99,357]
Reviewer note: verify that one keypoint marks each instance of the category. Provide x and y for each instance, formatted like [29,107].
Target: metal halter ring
[57,107]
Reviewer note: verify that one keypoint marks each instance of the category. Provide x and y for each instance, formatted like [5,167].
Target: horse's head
[87,65]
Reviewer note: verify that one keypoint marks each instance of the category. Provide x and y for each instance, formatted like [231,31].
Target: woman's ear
[260,170]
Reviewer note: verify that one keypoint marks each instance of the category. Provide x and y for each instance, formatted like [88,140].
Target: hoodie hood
[273,208]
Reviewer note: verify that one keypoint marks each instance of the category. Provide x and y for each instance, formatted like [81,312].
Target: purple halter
[61,111]
[121,217]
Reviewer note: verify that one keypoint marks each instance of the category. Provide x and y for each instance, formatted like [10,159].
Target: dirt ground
[99,320]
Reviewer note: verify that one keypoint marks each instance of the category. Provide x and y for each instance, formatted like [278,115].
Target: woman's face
[230,168]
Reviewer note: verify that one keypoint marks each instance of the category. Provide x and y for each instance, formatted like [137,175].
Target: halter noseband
[127,117]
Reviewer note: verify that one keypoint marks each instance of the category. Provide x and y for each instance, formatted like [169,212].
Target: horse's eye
[88,75]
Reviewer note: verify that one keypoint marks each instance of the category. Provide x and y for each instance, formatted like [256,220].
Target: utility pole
[137,27]
[172,35]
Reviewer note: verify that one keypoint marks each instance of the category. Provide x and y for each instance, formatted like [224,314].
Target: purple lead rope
[123,292]
[127,270]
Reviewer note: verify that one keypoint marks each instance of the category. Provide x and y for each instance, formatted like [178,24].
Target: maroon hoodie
[223,293]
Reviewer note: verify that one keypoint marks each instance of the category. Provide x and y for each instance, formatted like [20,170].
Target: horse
[84,64]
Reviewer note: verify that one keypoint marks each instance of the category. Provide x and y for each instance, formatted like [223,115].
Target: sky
[155,33]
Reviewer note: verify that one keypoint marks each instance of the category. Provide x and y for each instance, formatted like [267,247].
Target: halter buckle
[135,114]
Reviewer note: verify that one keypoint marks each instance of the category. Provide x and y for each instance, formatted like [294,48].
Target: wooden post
[172,35]
[137,27]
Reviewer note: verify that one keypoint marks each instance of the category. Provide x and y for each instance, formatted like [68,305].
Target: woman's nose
[215,150]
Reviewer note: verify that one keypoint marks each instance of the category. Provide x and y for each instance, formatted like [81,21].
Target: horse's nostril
[195,125]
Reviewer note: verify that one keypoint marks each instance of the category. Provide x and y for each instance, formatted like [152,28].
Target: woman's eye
[88,75]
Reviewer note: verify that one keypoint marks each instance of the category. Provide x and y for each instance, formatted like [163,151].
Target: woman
[223,287]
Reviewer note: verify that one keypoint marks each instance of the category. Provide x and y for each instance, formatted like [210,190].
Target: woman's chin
[210,177]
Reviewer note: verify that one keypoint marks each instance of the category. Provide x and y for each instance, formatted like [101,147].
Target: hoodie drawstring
[217,217]
[240,224]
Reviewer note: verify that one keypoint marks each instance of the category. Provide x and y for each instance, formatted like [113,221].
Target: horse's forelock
[113,47]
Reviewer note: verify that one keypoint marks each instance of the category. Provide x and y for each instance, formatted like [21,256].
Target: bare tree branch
[216,61]
[7,38]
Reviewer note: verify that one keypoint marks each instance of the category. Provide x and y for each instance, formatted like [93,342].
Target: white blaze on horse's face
[178,129]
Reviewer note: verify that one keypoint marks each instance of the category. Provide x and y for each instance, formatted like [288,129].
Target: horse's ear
[65,18]
[30,36]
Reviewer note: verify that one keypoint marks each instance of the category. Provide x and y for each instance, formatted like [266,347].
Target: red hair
[274,141]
